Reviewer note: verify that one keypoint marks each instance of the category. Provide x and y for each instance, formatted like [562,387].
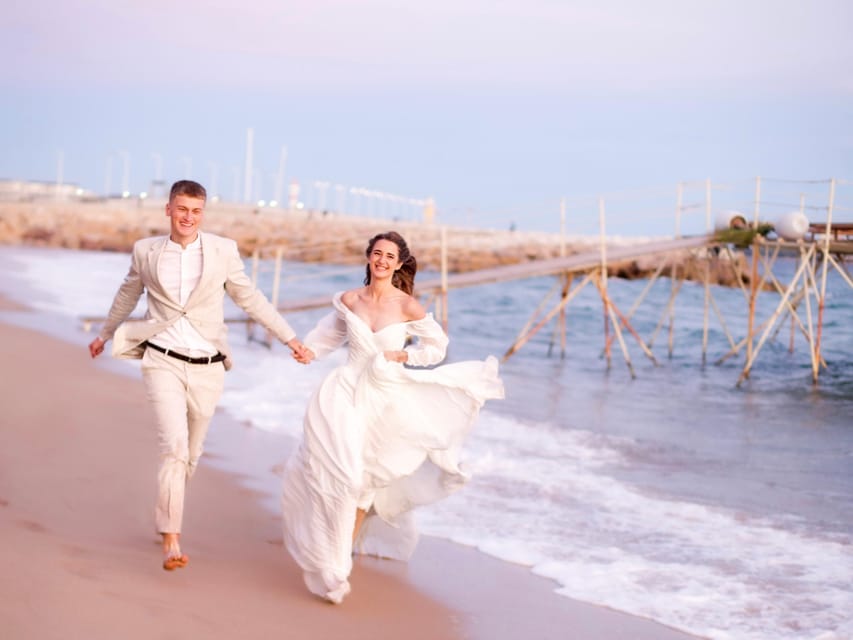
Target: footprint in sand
[30,525]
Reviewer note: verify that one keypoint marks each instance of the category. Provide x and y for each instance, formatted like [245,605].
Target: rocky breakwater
[328,238]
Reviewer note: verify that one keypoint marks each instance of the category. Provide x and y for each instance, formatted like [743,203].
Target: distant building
[28,191]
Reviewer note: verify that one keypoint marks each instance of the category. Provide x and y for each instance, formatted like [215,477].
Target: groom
[182,340]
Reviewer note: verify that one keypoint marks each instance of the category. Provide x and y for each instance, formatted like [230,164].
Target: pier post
[678,204]
[566,278]
[443,294]
[602,247]
[708,205]
[826,264]
[810,281]
[706,274]
[753,283]
[706,306]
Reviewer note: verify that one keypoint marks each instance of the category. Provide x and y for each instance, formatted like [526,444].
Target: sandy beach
[81,558]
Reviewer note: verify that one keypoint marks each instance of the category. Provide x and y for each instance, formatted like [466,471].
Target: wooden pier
[800,301]
[824,248]
[806,291]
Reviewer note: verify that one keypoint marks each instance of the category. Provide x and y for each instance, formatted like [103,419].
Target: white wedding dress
[378,436]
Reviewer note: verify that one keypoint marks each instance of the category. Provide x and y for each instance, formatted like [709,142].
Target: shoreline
[447,590]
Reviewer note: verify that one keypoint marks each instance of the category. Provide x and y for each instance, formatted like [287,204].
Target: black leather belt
[219,357]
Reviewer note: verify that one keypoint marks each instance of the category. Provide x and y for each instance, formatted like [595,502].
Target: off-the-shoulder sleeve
[329,334]
[431,344]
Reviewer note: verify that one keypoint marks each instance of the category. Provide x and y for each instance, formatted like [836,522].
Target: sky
[497,110]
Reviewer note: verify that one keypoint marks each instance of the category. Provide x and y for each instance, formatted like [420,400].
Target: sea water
[677,495]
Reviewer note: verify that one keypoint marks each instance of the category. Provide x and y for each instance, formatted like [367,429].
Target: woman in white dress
[380,438]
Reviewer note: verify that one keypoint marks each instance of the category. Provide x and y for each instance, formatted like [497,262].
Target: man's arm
[250,299]
[124,303]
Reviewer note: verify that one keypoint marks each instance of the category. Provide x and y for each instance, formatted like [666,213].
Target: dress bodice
[365,343]
[343,326]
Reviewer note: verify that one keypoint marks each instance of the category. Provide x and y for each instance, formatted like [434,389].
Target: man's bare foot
[174,559]
[172,556]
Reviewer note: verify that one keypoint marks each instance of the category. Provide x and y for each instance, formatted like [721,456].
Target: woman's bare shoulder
[413,309]
[349,298]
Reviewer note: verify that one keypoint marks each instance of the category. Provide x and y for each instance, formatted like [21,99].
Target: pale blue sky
[497,109]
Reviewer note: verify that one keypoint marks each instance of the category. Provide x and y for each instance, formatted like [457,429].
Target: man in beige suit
[182,340]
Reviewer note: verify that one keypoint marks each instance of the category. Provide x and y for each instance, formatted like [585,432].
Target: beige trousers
[184,398]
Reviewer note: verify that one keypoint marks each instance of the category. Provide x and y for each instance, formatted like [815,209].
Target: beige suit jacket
[222,272]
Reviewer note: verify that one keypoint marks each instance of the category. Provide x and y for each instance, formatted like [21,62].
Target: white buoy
[792,226]
[729,220]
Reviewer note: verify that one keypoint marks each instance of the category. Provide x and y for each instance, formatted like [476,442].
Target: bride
[380,438]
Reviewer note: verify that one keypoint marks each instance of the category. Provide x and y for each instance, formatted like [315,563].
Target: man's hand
[96,347]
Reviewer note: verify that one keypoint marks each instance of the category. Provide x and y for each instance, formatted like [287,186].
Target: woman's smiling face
[384,259]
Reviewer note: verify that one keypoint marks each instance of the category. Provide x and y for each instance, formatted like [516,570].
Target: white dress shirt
[179,271]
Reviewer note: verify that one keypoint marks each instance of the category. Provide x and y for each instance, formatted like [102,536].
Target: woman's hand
[302,354]
[396,356]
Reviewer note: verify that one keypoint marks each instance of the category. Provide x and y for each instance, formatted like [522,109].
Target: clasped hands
[300,352]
